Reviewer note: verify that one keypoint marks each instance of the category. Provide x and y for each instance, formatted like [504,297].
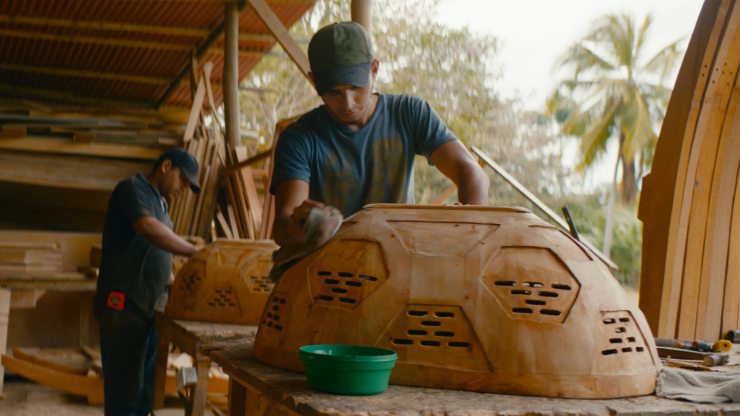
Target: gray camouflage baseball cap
[340,54]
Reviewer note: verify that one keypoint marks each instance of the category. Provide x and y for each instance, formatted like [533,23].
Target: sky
[534,33]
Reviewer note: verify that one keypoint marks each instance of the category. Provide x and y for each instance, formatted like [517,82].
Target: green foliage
[589,217]
[613,92]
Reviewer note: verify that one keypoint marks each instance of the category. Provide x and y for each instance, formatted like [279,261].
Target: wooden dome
[472,298]
[227,282]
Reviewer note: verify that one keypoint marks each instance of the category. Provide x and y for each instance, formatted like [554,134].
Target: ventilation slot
[521,310]
[369,278]
[345,274]
[352,283]
[416,332]
[223,299]
[430,323]
[261,284]
[447,334]
[521,292]
[417,313]
[532,284]
[402,341]
[560,286]
[272,316]
[427,343]
[458,344]
[551,312]
[548,294]
[443,314]
[627,340]
[505,283]
[331,281]
[535,302]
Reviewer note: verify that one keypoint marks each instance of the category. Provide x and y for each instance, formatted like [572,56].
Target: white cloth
[708,387]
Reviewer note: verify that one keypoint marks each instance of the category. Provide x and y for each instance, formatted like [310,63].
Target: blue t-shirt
[130,263]
[348,169]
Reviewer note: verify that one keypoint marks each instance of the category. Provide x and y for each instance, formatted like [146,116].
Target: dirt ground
[26,398]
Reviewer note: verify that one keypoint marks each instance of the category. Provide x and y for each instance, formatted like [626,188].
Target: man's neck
[367,116]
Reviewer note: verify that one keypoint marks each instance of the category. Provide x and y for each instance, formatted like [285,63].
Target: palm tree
[614,93]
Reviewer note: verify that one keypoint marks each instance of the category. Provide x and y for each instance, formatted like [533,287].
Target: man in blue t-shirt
[359,147]
[135,271]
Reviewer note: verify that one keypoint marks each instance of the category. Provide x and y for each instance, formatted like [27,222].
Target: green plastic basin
[347,369]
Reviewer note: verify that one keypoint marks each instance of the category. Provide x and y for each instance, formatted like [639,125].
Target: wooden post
[231,73]
[4,319]
[362,13]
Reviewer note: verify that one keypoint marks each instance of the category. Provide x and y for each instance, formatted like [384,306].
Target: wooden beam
[62,95]
[268,17]
[87,149]
[242,52]
[539,204]
[96,40]
[112,76]
[231,75]
[127,27]
[361,11]
[185,70]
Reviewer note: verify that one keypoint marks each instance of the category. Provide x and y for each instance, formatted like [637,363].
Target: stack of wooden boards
[30,257]
[237,211]
[690,204]
[40,253]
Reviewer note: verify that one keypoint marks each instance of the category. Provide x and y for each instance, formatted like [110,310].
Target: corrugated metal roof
[127,51]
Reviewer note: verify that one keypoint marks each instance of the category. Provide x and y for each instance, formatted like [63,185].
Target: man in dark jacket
[136,269]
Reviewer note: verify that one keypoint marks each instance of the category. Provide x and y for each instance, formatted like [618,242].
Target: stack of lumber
[23,120]
[237,211]
[192,214]
[690,203]
[30,257]
[44,252]
[243,216]
[58,165]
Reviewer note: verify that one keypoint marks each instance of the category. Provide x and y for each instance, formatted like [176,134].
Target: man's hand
[296,225]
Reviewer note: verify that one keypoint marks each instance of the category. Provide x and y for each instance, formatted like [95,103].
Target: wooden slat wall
[690,284]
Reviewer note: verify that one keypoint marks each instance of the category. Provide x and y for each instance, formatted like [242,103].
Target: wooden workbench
[258,389]
[196,339]
[24,289]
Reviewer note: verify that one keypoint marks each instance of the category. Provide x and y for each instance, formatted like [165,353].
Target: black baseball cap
[340,54]
[186,162]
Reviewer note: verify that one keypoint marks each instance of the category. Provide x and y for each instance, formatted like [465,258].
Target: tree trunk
[629,183]
[610,202]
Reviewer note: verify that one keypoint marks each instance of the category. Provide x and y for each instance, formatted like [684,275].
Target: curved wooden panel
[227,282]
[688,199]
[471,298]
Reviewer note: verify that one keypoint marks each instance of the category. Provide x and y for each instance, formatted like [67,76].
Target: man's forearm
[473,187]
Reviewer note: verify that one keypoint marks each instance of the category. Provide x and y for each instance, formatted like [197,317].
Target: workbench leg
[198,398]
[4,320]
[160,370]
[237,398]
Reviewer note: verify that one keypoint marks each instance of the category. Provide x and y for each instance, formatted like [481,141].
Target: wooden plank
[719,219]
[731,304]
[539,204]
[664,226]
[104,150]
[13,132]
[4,321]
[268,17]
[89,387]
[695,206]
